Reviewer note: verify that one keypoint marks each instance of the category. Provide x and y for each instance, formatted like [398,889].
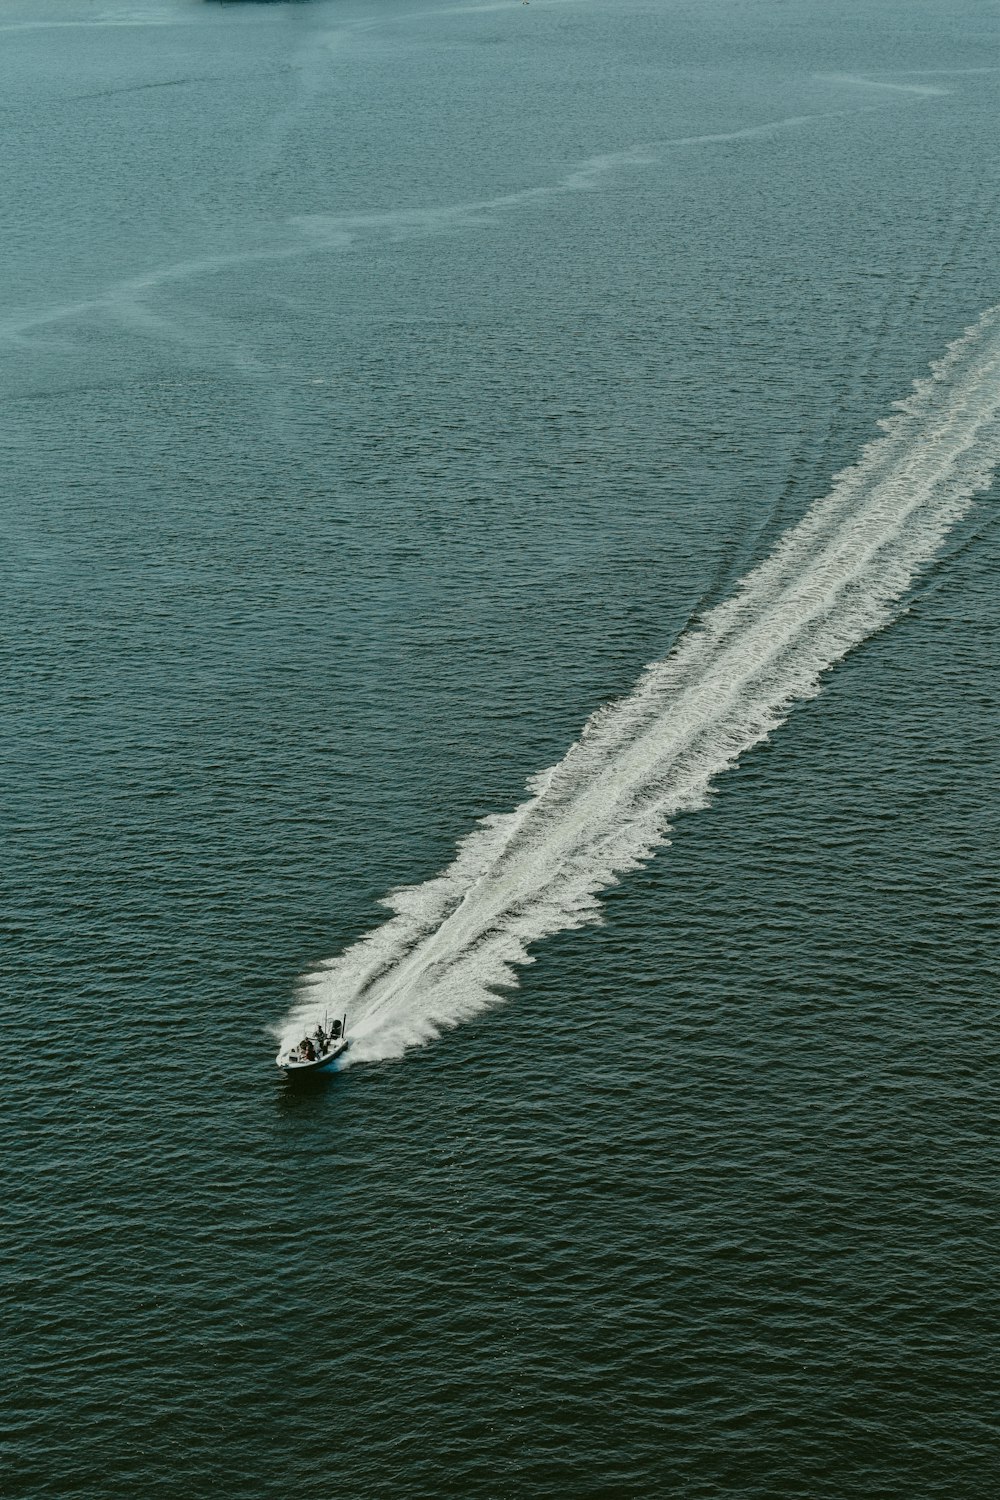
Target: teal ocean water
[498,538]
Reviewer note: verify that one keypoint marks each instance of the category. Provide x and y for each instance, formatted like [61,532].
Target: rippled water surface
[384,386]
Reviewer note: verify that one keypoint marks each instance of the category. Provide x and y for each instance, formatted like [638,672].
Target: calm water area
[384,385]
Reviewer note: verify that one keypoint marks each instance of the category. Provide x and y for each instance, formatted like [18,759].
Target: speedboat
[315,1051]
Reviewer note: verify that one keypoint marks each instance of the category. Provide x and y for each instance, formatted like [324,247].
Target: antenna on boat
[343,1029]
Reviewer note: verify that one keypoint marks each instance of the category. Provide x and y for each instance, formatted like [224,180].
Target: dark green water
[383,387]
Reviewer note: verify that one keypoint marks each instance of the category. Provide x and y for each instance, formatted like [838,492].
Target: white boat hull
[290,1062]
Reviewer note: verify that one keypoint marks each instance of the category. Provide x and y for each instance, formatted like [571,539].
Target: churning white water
[829,583]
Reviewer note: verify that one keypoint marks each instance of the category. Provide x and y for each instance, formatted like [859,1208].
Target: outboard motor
[335,1031]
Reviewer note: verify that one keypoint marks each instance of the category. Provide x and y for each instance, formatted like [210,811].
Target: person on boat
[307,1052]
[320,1036]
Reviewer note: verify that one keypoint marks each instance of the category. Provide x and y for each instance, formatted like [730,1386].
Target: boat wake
[456,940]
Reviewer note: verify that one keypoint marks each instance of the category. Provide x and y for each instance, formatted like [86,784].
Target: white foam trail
[831,581]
